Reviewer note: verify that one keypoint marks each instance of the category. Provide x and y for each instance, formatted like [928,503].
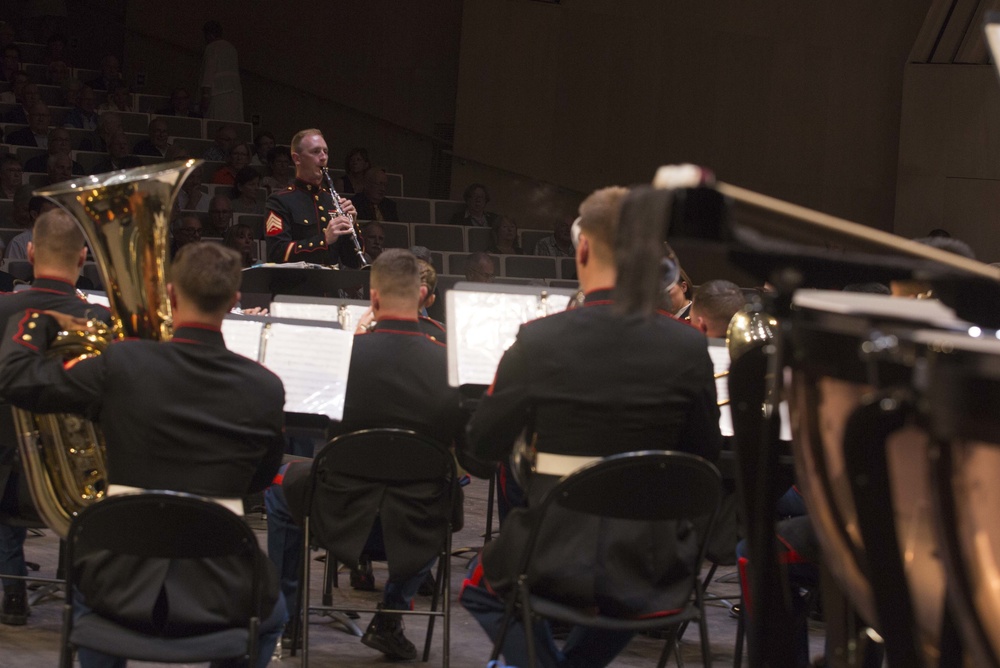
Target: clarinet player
[303,224]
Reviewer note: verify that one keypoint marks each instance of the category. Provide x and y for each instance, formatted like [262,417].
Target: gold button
[322,209]
[316,197]
[26,337]
[323,218]
[35,315]
[305,222]
[32,325]
[310,244]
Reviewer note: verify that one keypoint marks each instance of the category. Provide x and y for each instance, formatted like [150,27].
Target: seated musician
[185,415]
[713,305]
[611,376]
[57,251]
[398,378]
[302,224]
[428,295]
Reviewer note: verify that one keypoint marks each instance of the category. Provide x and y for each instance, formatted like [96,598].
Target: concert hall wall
[800,100]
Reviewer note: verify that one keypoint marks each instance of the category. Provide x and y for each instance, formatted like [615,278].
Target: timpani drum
[852,363]
[961,391]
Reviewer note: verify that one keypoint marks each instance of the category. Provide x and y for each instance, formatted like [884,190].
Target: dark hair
[949,244]
[262,135]
[212,28]
[243,177]
[718,300]
[208,274]
[471,188]
[639,251]
[277,151]
[363,152]
[7,158]
[395,273]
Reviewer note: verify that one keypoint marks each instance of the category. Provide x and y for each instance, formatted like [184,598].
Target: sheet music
[325,312]
[719,353]
[313,363]
[482,325]
[243,336]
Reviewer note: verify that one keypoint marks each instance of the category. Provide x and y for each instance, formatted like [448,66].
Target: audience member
[560,243]
[656,386]
[59,168]
[263,144]
[57,73]
[476,198]
[678,295]
[279,166]
[225,139]
[356,163]
[424,403]
[27,96]
[11,64]
[191,196]
[110,75]
[11,175]
[119,99]
[422,253]
[108,125]
[16,93]
[371,202]
[239,157]
[245,190]
[713,305]
[504,240]
[84,115]
[37,132]
[17,249]
[221,90]
[239,237]
[374,237]
[479,268]
[20,212]
[118,156]
[179,105]
[157,143]
[220,216]
[71,88]
[58,144]
[186,229]
[55,49]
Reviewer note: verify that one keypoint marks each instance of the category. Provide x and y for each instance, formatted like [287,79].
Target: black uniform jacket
[293,229]
[44,294]
[590,382]
[186,415]
[398,378]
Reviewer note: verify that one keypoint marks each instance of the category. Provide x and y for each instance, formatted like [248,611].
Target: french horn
[125,217]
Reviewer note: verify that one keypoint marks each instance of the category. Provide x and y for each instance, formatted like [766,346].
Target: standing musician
[613,375]
[302,223]
[57,251]
[185,415]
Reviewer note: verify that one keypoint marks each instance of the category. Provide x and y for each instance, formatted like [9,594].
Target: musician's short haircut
[57,239]
[300,135]
[395,274]
[208,274]
[600,214]
[718,301]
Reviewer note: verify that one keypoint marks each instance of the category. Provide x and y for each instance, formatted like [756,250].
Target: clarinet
[340,212]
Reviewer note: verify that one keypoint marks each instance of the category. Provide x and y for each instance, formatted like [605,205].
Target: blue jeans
[585,647]
[12,557]
[284,548]
[267,639]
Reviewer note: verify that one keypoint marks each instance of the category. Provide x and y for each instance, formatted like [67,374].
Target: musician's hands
[256,310]
[337,228]
[365,321]
[70,323]
[348,207]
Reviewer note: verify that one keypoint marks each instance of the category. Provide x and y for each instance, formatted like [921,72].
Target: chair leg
[738,650]
[706,646]
[434,601]
[66,650]
[446,607]
[665,654]
[304,595]
[529,631]
[508,617]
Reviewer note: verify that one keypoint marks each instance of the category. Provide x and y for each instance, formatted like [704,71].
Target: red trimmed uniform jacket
[293,229]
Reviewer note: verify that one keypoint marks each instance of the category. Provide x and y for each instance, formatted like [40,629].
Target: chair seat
[552,610]
[101,634]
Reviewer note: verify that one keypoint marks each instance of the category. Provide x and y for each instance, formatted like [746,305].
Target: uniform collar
[53,285]
[392,324]
[195,333]
[602,295]
[308,187]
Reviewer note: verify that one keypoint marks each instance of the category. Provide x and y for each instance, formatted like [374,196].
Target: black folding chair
[648,486]
[162,525]
[395,458]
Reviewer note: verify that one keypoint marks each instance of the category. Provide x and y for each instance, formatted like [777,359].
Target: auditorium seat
[413,209]
[397,235]
[135,122]
[197,147]
[560,283]
[531,237]
[51,95]
[479,238]
[510,280]
[31,52]
[254,220]
[244,131]
[444,209]
[456,264]
[567,268]
[183,126]
[439,237]
[527,266]
[150,103]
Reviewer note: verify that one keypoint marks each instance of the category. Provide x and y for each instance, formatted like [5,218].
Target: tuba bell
[125,217]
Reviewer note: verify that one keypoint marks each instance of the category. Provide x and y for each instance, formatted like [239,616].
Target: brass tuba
[125,217]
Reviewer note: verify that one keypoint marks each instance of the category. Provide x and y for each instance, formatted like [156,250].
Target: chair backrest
[390,455]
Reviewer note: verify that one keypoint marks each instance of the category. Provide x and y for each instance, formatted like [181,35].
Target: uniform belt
[234,505]
[548,463]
